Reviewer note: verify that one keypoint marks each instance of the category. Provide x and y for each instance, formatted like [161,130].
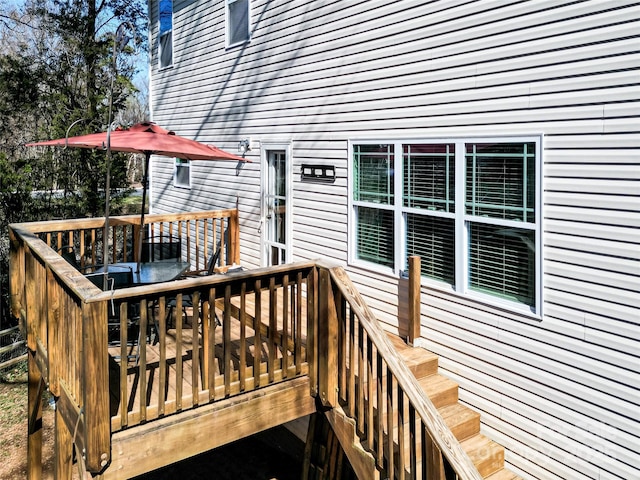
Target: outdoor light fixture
[244,146]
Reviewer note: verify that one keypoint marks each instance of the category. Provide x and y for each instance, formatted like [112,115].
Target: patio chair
[119,277]
[161,248]
[68,252]
[187,300]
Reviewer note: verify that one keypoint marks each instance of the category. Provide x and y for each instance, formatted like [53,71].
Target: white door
[276,208]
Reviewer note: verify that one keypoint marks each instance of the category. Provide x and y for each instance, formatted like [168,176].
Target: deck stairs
[486,454]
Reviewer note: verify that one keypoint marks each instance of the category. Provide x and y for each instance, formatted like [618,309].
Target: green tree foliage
[61,67]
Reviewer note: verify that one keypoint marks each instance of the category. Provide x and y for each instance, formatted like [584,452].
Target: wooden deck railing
[64,316]
[393,419]
[198,235]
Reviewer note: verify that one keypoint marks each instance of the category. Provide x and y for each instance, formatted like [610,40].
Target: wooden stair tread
[441,390]
[461,420]
[486,455]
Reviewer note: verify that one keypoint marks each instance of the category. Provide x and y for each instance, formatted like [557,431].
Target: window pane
[373,173]
[166,50]
[429,177]
[375,236]
[238,21]
[502,262]
[501,181]
[166,16]
[433,240]
[182,172]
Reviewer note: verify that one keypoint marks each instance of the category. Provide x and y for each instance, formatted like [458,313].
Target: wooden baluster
[360,413]
[380,407]
[390,426]
[257,344]
[208,333]
[401,417]
[124,401]
[226,333]
[179,340]
[142,361]
[370,391]
[352,366]
[412,442]
[273,327]
[195,348]
[162,342]
[243,335]
[284,344]
[299,322]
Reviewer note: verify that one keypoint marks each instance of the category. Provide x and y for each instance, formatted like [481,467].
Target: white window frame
[181,163]
[227,22]
[461,218]
[161,34]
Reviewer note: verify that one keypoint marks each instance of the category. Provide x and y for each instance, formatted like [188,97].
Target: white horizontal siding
[561,392]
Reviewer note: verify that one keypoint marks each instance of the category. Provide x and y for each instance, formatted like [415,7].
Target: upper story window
[182,173]
[237,21]
[469,208]
[165,28]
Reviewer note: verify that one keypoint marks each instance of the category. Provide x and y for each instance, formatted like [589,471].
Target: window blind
[429,177]
[375,236]
[433,239]
[500,181]
[502,262]
[373,173]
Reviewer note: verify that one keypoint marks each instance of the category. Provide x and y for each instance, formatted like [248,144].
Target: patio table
[152,272]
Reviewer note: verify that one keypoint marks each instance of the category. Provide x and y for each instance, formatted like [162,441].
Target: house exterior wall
[560,390]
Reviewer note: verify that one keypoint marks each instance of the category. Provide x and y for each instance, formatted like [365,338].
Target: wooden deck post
[34,402]
[234,237]
[16,275]
[95,372]
[327,341]
[63,449]
[414,299]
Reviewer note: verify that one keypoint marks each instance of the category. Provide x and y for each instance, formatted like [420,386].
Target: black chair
[161,247]
[68,252]
[119,277]
[187,300]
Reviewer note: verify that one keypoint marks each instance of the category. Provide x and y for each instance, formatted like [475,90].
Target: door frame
[265,148]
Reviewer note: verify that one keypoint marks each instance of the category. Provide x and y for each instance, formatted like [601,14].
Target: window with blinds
[375,236]
[373,173]
[433,240]
[502,262]
[500,184]
[429,177]
[500,180]
[489,244]
[372,187]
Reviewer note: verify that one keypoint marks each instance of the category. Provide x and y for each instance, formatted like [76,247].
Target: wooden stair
[487,455]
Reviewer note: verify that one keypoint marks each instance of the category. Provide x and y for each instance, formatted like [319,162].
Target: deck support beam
[184,435]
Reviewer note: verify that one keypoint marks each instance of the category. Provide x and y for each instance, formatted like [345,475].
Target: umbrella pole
[105,235]
[145,178]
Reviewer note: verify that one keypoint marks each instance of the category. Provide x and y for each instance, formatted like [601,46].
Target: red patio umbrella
[149,139]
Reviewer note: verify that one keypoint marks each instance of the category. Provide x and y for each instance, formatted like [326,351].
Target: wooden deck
[250,350]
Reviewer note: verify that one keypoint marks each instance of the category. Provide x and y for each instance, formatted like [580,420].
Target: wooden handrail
[372,377]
